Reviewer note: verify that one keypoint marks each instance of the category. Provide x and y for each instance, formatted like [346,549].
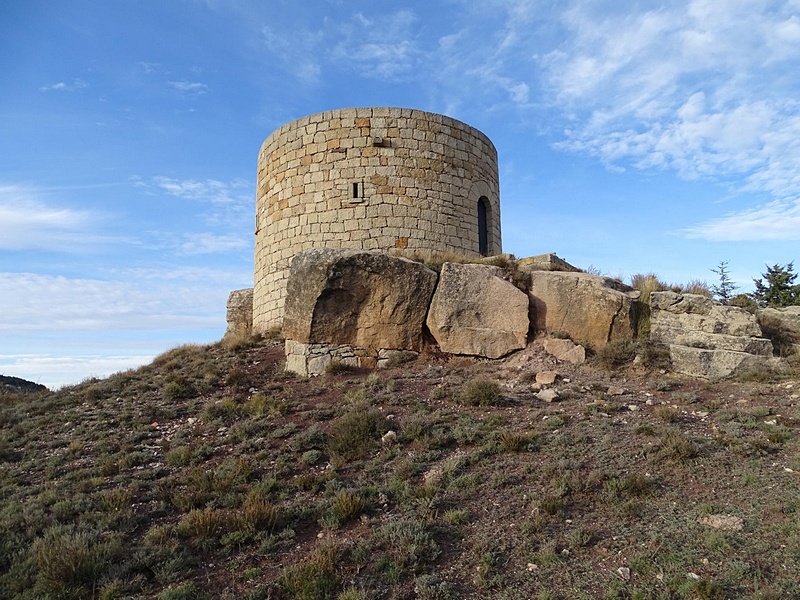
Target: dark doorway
[483,225]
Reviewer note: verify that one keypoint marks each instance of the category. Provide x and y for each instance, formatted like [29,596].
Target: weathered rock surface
[783,322]
[590,308]
[239,313]
[357,298]
[692,312]
[707,339]
[474,311]
[565,350]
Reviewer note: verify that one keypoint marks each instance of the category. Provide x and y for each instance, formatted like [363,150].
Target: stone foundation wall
[369,179]
[313,359]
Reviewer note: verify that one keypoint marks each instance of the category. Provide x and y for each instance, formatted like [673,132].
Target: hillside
[213,474]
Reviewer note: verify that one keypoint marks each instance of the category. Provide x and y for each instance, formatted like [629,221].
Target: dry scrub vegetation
[213,474]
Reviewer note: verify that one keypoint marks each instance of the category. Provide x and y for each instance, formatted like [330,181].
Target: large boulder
[782,325]
[239,314]
[358,298]
[707,339]
[474,311]
[590,308]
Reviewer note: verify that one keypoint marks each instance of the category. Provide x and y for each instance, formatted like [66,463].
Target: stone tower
[372,179]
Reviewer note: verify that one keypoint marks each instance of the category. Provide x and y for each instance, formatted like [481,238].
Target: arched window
[483,225]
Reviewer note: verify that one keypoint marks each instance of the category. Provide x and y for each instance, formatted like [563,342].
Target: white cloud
[75,84]
[191,88]
[703,88]
[148,67]
[774,221]
[298,50]
[32,303]
[209,243]
[380,46]
[55,372]
[209,190]
[27,223]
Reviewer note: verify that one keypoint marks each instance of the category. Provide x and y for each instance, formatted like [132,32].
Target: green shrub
[179,388]
[356,433]
[481,392]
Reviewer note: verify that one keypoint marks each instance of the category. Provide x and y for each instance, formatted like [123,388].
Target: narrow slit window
[355,190]
[483,226]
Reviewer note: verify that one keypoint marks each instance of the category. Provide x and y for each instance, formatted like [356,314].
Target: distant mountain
[16,384]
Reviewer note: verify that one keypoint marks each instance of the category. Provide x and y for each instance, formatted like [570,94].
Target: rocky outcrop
[565,350]
[590,308]
[782,326]
[239,314]
[705,338]
[357,298]
[545,262]
[476,312]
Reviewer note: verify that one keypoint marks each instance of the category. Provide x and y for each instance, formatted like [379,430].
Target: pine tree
[779,288]
[724,291]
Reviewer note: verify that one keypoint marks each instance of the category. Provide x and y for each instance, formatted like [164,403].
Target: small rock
[532,567]
[771,422]
[624,573]
[390,437]
[633,407]
[615,391]
[694,576]
[546,377]
[723,522]
[548,395]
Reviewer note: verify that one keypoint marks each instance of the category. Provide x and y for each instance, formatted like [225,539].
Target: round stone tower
[371,179]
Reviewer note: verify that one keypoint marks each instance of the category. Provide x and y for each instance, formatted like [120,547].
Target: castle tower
[372,179]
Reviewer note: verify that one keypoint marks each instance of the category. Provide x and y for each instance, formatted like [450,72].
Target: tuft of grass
[314,578]
[616,353]
[339,367]
[481,392]
[347,505]
[71,563]
[676,447]
[515,441]
[653,355]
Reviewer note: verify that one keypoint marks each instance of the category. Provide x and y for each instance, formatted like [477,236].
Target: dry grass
[118,488]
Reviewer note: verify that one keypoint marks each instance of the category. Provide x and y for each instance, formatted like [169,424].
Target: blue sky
[632,137]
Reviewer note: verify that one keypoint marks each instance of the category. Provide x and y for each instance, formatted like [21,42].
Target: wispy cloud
[774,221]
[115,305]
[209,243]
[298,50]
[208,190]
[75,84]
[28,223]
[380,46]
[698,87]
[189,88]
[148,67]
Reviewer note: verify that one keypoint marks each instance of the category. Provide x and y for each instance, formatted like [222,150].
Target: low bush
[356,433]
[616,353]
[481,392]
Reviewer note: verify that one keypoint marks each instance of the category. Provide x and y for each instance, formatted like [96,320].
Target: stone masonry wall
[369,179]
